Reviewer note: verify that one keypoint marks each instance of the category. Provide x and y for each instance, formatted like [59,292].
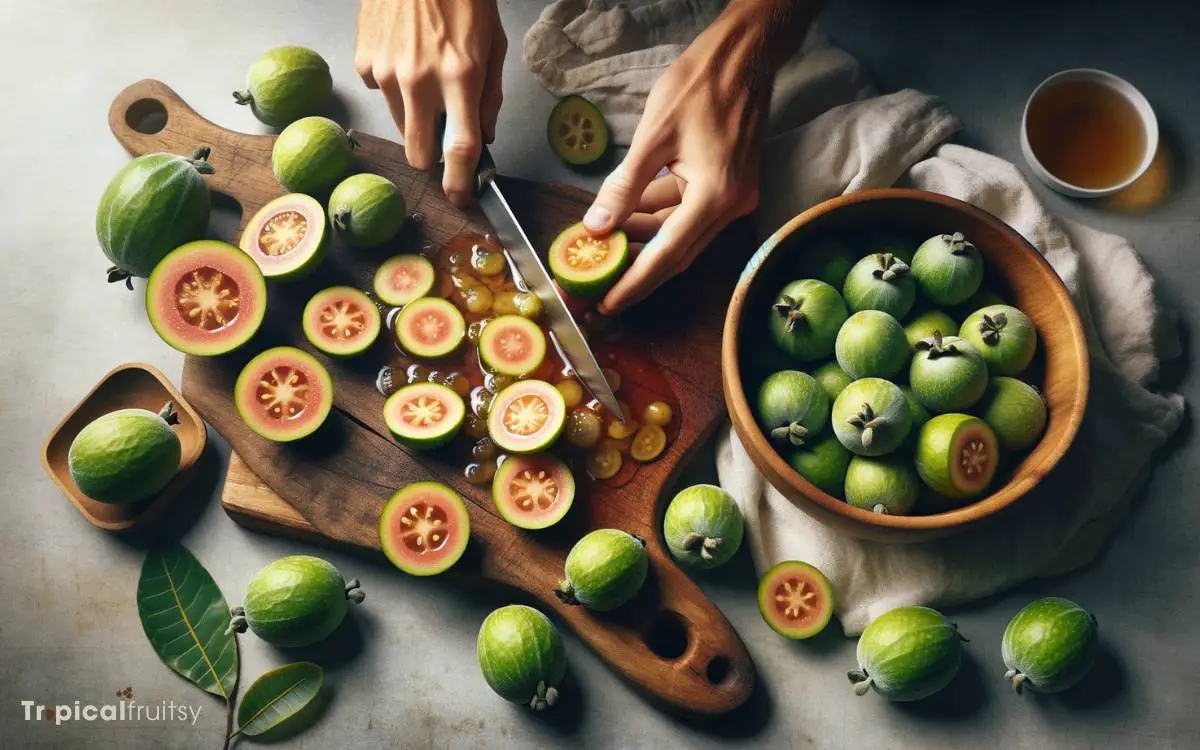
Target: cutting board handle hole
[718,670]
[668,635]
[147,116]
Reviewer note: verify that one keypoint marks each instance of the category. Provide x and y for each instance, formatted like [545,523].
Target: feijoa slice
[424,528]
[577,132]
[512,345]
[287,238]
[795,599]
[957,455]
[341,321]
[403,278]
[424,415]
[533,492]
[527,416]
[283,394]
[430,327]
[586,266]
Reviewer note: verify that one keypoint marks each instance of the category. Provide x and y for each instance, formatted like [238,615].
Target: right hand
[430,57]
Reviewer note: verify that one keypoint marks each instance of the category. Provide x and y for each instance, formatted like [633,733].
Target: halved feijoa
[287,237]
[403,278]
[957,455]
[795,599]
[341,321]
[430,327]
[586,266]
[206,298]
[577,132]
[424,528]
[512,345]
[533,492]
[424,415]
[527,416]
[283,394]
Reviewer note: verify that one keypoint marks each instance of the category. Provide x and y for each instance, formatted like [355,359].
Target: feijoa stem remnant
[1016,678]
[116,274]
[795,433]
[889,267]
[237,620]
[566,593]
[860,680]
[789,307]
[936,347]
[707,545]
[959,245]
[341,219]
[354,591]
[866,421]
[991,326]
[243,97]
[544,698]
[199,160]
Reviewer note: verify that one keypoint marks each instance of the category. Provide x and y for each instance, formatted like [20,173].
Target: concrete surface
[403,673]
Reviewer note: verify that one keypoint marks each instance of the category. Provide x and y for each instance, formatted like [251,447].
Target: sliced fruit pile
[920,412]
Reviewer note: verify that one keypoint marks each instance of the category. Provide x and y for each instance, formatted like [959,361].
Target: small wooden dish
[1032,285]
[129,386]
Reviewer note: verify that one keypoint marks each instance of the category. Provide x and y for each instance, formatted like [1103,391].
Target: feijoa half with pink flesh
[341,321]
[283,394]
[403,278]
[424,528]
[533,492]
[527,417]
[795,599]
[430,327]
[577,132]
[424,415]
[586,266]
[206,298]
[957,455]
[512,345]
[287,238]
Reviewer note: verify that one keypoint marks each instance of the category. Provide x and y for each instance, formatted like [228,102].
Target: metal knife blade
[565,334]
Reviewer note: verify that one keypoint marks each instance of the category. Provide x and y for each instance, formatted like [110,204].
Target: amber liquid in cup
[1086,133]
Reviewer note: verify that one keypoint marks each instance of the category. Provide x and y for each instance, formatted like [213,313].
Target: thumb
[622,189]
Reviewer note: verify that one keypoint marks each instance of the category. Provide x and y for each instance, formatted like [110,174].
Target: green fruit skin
[124,456]
[899,248]
[709,512]
[813,337]
[886,484]
[910,653]
[1018,339]
[1052,643]
[949,382]
[287,83]
[606,569]
[154,204]
[296,601]
[823,463]
[933,459]
[790,396]
[367,209]
[889,406]
[864,291]
[1015,411]
[311,155]
[871,344]
[301,204]
[826,261]
[518,648]
[980,299]
[832,379]
[593,284]
[920,415]
[924,325]
[945,278]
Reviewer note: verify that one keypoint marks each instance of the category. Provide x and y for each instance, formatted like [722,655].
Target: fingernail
[597,218]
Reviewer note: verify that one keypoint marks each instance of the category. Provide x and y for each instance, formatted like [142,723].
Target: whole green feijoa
[296,601]
[871,344]
[1004,335]
[1049,645]
[920,415]
[823,463]
[805,317]
[881,282]
[926,324]
[832,379]
[521,656]
[871,417]
[826,260]
[1015,411]
[367,209]
[947,374]
[285,84]
[907,654]
[604,570]
[703,526]
[792,408]
[948,268]
[126,455]
[984,297]
[885,484]
[311,155]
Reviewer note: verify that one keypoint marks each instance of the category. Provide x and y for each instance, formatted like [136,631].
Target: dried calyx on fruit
[866,421]
[937,346]
[890,267]
[991,326]
[958,243]
[794,433]
[791,309]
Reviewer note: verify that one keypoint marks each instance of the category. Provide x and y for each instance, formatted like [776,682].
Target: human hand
[430,57]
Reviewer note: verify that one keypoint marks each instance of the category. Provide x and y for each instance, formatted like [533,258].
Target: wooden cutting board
[672,643]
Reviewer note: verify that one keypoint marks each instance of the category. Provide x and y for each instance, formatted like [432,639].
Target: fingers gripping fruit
[604,570]
[1049,645]
[586,266]
[521,656]
[907,654]
[1005,337]
[947,373]
[792,408]
[805,318]
[703,526]
[871,417]
[887,484]
[871,344]
[1015,411]
[948,268]
[880,282]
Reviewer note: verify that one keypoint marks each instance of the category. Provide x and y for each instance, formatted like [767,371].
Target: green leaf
[186,619]
[278,696]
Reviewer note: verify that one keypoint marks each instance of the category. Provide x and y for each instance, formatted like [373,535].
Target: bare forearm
[766,33]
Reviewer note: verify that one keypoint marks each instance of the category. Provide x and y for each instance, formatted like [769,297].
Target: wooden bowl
[130,386]
[1025,279]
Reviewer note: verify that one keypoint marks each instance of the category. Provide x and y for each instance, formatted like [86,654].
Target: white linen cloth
[831,136]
